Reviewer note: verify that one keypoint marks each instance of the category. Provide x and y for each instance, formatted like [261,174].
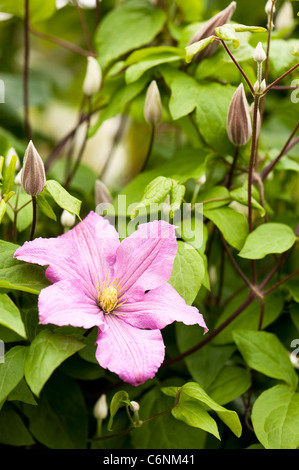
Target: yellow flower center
[109,295]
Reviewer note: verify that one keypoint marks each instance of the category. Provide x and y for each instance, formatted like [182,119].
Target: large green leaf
[188,272]
[266,239]
[194,414]
[63,198]
[10,316]
[233,225]
[13,430]
[230,384]
[46,352]
[264,352]
[128,27]
[60,419]
[17,275]
[230,418]
[275,418]
[12,370]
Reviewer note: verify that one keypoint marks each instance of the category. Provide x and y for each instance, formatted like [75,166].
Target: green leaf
[250,317]
[230,418]
[128,27]
[194,414]
[64,199]
[241,195]
[188,272]
[46,352]
[17,275]
[266,239]
[13,430]
[155,192]
[60,419]
[275,418]
[230,383]
[228,33]
[22,393]
[45,207]
[120,399]
[12,370]
[197,47]
[233,225]
[166,432]
[9,176]
[135,71]
[24,218]
[2,209]
[10,316]
[264,352]
[38,11]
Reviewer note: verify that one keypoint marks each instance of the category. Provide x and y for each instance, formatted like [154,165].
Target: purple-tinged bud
[33,172]
[208,29]
[153,106]
[239,128]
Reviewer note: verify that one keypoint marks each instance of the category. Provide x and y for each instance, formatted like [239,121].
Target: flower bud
[67,219]
[239,128]
[135,407]
[259,88]
[259,54]
[208,29]
[18,178]
[269,7]
[9,155]
[33,173]
[153,106]
[285,17]
[93,78]
[102,193]
[100,410]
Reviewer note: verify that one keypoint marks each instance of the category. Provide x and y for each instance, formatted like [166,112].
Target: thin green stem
[231,173]
[26,72]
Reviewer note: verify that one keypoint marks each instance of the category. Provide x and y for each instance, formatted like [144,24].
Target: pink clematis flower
[119,287]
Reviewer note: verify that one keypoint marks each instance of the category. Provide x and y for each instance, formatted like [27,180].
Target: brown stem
[282,281]
[231,173]
[33,218]
[270,20]
[237,65]
[150,147]
[26,72]
[281,78]
[84,27]
[61,42]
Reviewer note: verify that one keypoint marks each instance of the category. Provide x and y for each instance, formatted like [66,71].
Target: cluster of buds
[259,56]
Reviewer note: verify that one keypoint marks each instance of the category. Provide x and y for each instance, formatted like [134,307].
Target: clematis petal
[133,354]
[158,308]
[87,251]
[65,303]
[144,260]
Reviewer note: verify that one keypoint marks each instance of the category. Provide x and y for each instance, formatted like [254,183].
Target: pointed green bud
[33,176]
[208,29]
[259,54]
[93,78]
[239,128]
[153,106]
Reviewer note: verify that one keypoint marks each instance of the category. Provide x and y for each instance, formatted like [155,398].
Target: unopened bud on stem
[93,78]
[208,29]
[102,193]
[67,219]
[269,7]
[239,128]
[100,410]
[259,87]
[285,16]
[259,54]
[153,106]
[33,176]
